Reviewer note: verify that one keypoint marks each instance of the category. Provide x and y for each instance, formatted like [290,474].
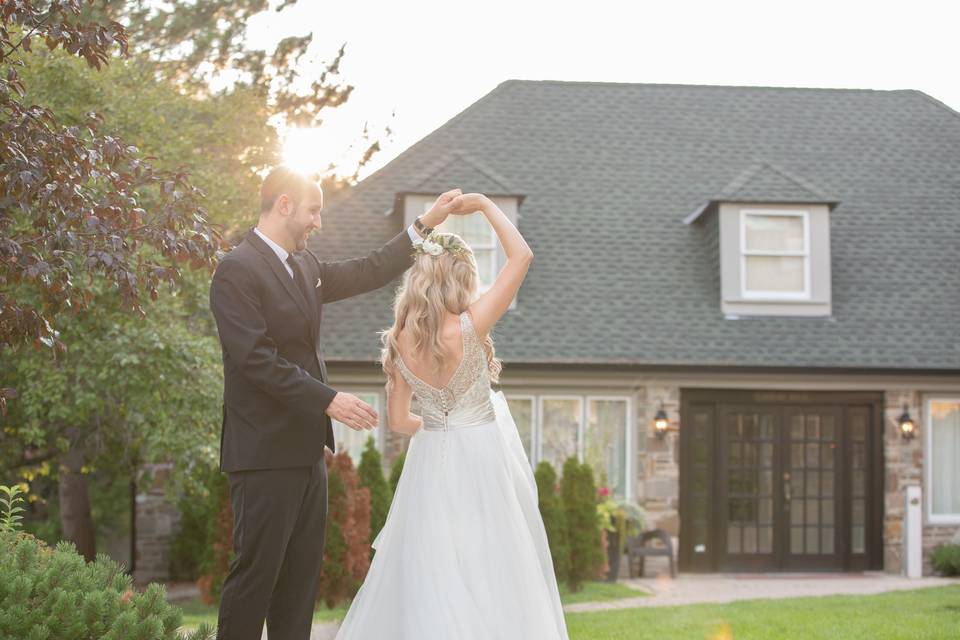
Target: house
[771,274]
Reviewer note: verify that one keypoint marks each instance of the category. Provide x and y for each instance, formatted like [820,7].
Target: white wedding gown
[463,554]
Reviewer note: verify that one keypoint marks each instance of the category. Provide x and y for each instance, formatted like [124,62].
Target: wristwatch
[421,228]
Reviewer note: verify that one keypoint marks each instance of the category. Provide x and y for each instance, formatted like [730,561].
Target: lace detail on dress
[465,399]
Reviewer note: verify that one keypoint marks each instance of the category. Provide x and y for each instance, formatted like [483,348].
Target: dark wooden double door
[780,481]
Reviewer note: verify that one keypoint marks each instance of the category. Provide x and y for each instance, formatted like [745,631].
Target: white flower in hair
[431,247]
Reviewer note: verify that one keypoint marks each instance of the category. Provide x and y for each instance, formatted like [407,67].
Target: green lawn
[196,613]
[930,613]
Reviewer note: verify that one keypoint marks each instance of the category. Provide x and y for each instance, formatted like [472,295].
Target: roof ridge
[707,86]
[360,186]
[801,182]
[933,100]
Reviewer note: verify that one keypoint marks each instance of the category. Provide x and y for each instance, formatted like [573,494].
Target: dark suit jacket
[275,392]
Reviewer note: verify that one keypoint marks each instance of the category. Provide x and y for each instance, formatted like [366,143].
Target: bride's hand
[441,208]
[468,203]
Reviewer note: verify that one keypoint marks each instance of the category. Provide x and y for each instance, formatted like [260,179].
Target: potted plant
[620,519]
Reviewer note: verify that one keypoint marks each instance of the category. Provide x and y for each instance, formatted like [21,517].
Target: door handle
[786,487]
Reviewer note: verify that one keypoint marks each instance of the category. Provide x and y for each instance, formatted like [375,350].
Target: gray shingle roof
[609,173]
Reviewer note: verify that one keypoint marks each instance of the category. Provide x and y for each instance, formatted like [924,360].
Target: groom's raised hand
[352,411]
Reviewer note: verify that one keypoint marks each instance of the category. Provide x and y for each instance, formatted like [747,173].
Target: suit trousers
[279,519]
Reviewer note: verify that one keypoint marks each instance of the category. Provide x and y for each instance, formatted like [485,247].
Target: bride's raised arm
[491,306]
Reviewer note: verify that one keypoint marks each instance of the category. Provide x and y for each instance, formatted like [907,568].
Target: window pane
[945,456]
[522,411]
[353,441]
[774,233]
[605,444]
[558,435]
[775,273]
[486,266]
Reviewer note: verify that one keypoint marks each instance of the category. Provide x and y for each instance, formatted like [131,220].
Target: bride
[463,554]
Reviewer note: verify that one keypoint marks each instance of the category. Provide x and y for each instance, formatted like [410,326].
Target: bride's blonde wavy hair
[433,286]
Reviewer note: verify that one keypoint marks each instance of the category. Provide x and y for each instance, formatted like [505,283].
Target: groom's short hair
[283,180]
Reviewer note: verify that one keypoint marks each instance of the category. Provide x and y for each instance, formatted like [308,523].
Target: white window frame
[932,518]
[627,440]
[750,294]
[378,433]
[493,245]
[580,427]
[584,400]
[534,421]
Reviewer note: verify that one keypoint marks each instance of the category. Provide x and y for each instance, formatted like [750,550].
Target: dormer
[470,175]
[772,231]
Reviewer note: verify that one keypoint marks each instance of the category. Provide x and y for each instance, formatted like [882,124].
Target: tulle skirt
[463,554]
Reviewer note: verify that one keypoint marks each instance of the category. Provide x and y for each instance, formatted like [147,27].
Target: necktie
[298,277]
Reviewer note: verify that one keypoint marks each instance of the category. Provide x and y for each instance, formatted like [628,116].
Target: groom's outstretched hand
[352,411]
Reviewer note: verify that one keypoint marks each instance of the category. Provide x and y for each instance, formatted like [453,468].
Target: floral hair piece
[435,244]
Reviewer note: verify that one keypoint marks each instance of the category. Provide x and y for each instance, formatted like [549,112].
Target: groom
[267,295]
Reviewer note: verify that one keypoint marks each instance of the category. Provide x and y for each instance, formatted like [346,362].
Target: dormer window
[477,233]
[774,254]
[473,228]
[770,232]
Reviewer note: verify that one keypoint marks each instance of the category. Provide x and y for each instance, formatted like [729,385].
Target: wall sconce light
[908,428]
[660,422]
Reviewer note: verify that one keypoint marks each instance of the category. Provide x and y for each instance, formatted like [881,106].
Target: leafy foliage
[583,528]
[395,470]
[371,477]
[10,508]
[72,199]
[552,512]
[945,559]
[218,565]
[192,551]
[53,593]
[346,555]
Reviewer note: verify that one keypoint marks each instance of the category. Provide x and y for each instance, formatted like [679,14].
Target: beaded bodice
[465,400]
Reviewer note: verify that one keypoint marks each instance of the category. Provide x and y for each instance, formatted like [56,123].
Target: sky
[416,64]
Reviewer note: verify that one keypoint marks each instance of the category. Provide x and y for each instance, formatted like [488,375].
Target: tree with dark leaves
[72,199]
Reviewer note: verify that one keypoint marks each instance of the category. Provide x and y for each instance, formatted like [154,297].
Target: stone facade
[903,467]
[156,524]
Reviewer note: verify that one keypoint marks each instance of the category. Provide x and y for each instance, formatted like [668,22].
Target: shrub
[54,593]
[193,546]
[945,559]
[346,555]
[396,470]
[217,564]
[583,528]
[371,477]
[551,510]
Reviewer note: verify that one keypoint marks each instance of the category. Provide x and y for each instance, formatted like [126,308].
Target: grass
[196,612]
[598,592]
[929,613]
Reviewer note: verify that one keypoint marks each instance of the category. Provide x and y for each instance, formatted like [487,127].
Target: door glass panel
[765,543]
[826,541]
[812,479]
[749,478]
[733,539]
[796,539]
[858,478]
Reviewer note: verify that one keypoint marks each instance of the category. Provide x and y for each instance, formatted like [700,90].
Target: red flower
[604,492]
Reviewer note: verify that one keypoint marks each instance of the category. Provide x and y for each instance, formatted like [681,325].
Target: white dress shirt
[283,253]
